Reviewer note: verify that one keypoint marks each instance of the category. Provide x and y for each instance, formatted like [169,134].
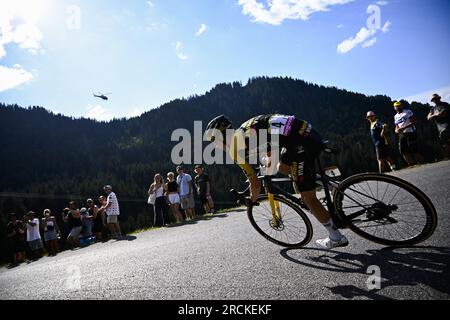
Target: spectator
[16,233]
[378,133]
[86,219]
[51,232]
[184,181]
[64,227]
[203,185]
[101,210]
[73,219]
[97,219]
[172,190]
[158,189]
[33,235]
[405,128]
[112,211]
[440,114]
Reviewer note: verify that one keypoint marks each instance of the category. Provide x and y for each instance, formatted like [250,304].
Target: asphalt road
[222,257]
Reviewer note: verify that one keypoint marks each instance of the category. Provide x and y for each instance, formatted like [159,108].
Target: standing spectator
[405,122]
[158,188]
[112,211]
[203,184]
[86,218]
[184,181]
[33,235]
[51,232]
[64,227]
[378,133]
[16,234]
[440,114]
[172,191]
[101,210]
[73,219]
[97,218]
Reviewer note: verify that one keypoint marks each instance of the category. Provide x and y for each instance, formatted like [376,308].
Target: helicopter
[102,96]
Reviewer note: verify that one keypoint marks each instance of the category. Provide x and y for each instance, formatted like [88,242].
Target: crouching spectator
[51,231]
[16,234]
[33,235]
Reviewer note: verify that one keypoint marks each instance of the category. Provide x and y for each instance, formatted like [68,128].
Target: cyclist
[300,145]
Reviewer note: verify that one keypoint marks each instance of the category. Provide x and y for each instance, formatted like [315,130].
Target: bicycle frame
[321,178]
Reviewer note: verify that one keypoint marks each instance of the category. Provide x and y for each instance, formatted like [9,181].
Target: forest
[47,159]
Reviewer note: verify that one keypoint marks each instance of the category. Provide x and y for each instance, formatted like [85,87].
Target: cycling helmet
[397,104]
[220,123]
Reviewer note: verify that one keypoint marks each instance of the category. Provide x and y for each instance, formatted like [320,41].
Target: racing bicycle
[378,207]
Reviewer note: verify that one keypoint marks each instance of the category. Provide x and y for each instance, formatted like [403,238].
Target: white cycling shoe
[328,244]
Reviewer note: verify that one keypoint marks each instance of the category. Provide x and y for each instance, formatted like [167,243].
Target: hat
[108,186]
[370,114]
[435,96]
[397,104]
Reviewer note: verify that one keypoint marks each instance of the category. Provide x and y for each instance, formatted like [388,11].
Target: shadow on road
[198,218]
[127,238]
[429,266]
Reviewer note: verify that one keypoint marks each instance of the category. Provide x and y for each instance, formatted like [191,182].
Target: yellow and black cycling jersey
[254,137]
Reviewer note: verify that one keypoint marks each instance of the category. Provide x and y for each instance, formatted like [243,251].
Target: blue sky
[56,53]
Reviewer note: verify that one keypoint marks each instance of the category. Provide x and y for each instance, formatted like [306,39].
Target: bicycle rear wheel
[293,230]
[385,209]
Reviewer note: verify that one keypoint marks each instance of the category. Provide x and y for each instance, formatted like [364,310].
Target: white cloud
[369,43]
[134,112]
[13,77]
[361,37]
[97,112]
[340,26]
[424,97]
[150,4]
[276,11]
[201,30]
[18,24]
[179,51]
[382,3]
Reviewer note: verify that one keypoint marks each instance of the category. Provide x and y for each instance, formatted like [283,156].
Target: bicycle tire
[429,211]
[296,211]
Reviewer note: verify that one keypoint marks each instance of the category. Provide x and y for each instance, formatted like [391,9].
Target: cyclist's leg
[304,175]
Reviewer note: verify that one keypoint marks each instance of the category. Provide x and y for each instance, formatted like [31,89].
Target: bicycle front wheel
[385,209]
[293,230]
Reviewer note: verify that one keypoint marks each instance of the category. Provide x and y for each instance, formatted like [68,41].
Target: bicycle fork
[274,206]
